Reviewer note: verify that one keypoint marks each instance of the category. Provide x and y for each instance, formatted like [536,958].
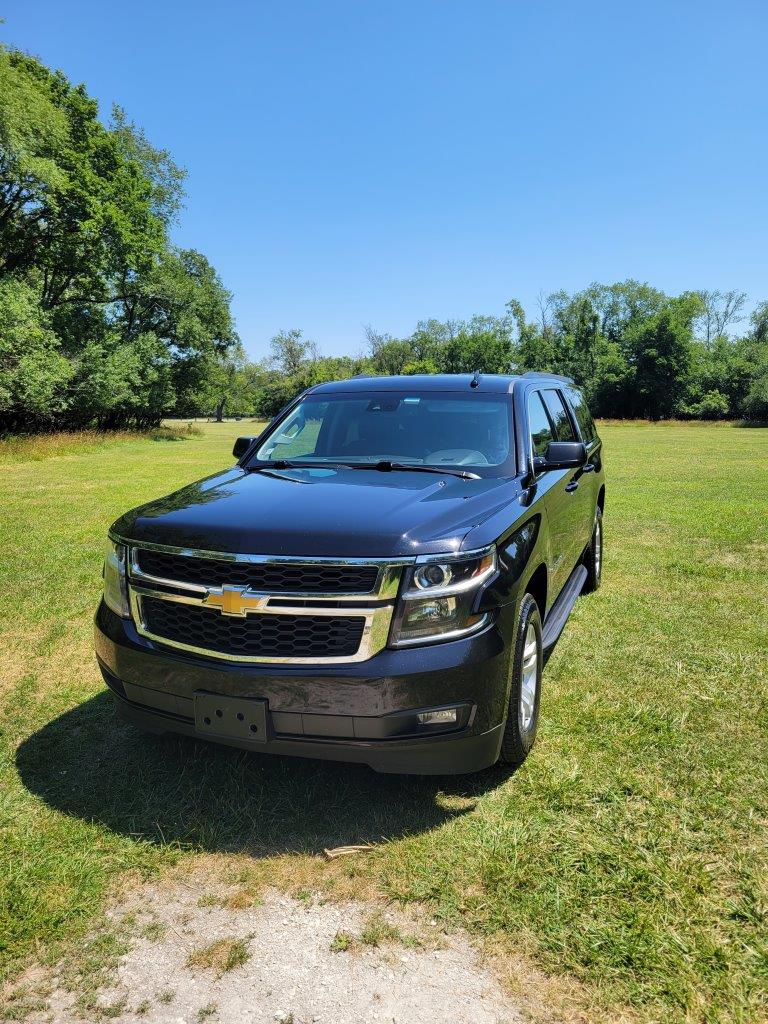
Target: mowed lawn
[631,850]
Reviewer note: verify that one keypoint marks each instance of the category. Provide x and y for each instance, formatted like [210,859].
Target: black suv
[379,578]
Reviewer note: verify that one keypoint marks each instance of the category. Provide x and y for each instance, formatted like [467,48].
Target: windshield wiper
[265,467]
[385,466]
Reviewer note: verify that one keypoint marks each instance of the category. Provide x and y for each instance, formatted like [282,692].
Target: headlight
[439,595]
[115,586]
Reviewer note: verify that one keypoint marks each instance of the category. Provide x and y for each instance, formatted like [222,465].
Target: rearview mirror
[561,455]
[242,444]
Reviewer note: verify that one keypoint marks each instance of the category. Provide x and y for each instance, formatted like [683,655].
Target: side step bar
[561,609]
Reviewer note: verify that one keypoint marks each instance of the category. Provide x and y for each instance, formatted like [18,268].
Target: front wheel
[594,556]
[527,662]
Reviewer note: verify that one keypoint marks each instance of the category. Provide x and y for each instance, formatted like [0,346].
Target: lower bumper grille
[269,636]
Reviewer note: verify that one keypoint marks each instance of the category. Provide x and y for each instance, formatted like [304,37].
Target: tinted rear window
[561,421]
[582,414]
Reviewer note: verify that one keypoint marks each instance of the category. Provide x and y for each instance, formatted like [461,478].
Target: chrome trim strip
[227,556]
[451,556]
[136,573]
[264,609]
[463,587]
[437,638]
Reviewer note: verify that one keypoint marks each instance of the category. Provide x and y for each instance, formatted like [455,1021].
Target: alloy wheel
[529,681]
[598,548]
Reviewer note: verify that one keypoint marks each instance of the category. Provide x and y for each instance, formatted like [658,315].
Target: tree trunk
[220,410]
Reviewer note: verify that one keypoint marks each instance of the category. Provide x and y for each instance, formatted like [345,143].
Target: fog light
[446,716]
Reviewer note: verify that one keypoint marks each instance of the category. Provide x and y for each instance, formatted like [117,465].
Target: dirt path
[283,961]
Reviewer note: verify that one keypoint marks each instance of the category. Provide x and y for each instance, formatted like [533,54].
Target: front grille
[268,636]
[265,577]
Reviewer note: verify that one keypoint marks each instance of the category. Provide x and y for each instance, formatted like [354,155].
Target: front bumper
[361,712]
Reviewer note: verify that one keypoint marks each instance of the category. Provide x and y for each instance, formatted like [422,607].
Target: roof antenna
[475,382]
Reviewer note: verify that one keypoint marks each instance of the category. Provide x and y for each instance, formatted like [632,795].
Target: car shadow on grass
[89,764]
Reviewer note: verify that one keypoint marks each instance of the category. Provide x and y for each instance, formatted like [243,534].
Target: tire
[593,559]
[525,688]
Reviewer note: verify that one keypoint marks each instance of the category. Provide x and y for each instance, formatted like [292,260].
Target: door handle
[572,486]
[588,468]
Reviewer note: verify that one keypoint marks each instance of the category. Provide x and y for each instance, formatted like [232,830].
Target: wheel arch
[537,588]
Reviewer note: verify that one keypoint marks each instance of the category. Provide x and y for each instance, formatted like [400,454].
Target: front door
[580,507]
[551,488]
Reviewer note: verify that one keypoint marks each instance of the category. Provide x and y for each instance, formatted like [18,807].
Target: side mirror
[561,455]
[242,444]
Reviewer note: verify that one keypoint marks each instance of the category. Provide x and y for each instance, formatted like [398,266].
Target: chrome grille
[265,577]
[257,608]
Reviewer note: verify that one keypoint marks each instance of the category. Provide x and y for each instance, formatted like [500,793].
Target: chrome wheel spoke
[529,680]
[598,548]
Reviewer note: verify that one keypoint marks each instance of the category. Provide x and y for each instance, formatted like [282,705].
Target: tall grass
[39,447]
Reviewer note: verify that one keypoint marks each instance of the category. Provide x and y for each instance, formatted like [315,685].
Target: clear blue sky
[382,162]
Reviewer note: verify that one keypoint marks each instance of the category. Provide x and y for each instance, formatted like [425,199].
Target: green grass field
[629,853]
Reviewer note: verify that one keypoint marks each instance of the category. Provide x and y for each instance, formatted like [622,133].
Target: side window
[539,425]
[583,415]
[561,421]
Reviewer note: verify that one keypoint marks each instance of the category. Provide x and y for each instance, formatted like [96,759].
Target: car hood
[346,513]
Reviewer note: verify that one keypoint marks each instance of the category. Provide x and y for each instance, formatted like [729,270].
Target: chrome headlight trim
[462,589]
[461,586]
[115,581]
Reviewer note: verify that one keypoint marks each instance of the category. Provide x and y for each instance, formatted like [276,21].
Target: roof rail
[548,376]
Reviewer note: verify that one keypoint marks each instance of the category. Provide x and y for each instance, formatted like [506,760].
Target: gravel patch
[286,961]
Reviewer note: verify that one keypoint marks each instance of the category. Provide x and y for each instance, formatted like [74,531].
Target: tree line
[636,352]
[104,322]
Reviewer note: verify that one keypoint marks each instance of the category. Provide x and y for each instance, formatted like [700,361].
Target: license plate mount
[233,718]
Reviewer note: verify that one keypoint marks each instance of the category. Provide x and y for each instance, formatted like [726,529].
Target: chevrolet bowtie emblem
[235,600]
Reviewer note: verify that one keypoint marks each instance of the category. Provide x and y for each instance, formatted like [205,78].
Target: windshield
[429,428]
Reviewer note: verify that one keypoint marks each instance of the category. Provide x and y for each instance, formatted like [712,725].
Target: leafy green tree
[660,349]
[622,305]
[755,405]
[718,311]
[759,321]
[419,366]
[610,391]
[232,386]
[34,375]
[392,356]
[276,389]
[290,352]
[77,205]
[486,351]
[275,392]
[118,326]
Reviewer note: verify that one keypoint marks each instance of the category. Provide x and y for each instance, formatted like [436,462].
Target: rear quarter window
[582,414]
[557,413]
